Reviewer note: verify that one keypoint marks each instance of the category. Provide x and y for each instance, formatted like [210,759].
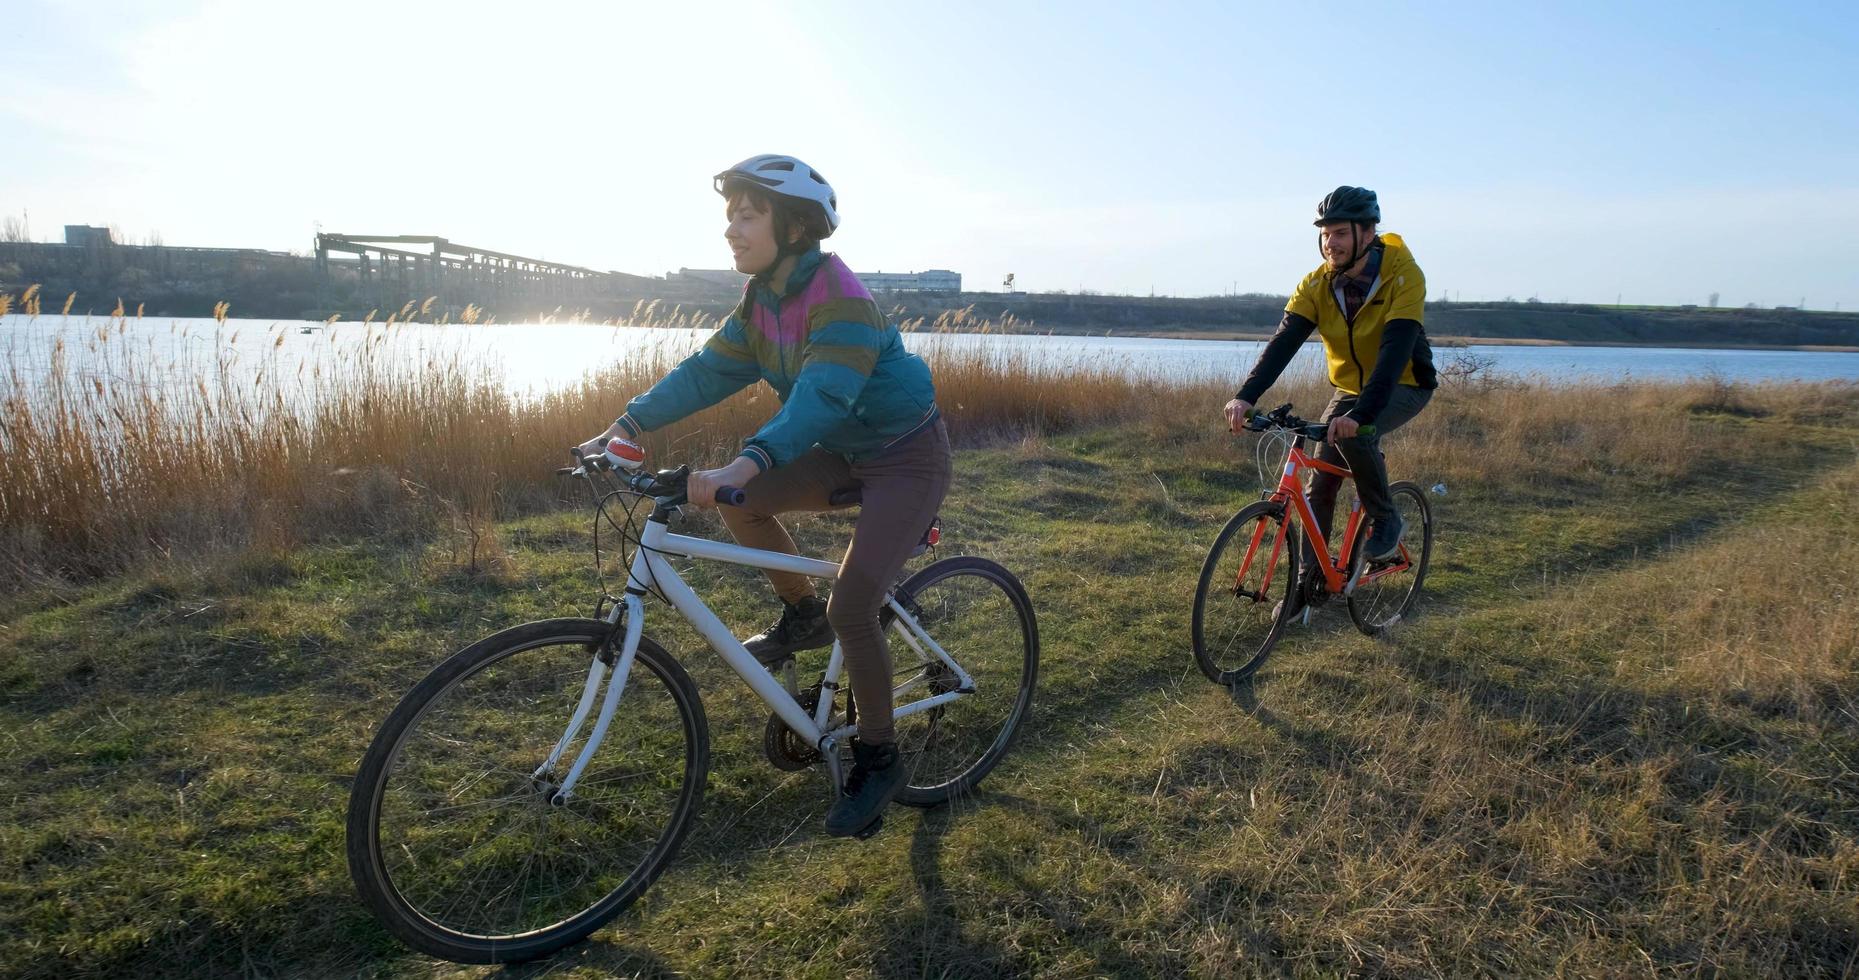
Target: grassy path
[1619,739]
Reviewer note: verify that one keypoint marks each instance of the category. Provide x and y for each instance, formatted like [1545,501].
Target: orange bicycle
[1241,604]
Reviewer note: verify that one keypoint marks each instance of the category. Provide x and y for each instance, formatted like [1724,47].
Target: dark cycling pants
[1362,454]
[901,491]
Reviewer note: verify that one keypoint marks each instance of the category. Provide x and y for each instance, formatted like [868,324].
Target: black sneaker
[1293,605]
[1384,542]
[802,626]
[876,777]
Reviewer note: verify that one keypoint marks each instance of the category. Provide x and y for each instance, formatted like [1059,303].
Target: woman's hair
[789,213]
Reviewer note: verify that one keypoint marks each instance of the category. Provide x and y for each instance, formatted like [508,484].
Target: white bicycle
[534,784]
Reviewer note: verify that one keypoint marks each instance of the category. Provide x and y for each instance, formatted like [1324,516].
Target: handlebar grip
[583,463]
[733,496]
[1366,430]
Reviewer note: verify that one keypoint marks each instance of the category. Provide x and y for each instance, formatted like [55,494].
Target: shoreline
[1440,342]
[1450,342]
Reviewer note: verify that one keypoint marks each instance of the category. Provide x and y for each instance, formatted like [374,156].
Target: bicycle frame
[1290,493]
[651,569]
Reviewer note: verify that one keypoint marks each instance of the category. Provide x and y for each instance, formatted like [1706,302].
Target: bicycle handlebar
[1281,418]
[667,486]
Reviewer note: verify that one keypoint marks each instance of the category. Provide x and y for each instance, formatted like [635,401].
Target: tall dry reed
[170,458]
[110,455]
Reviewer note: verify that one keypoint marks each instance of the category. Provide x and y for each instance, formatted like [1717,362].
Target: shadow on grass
[326,933]
[596,954]
[936,941]
[944,938]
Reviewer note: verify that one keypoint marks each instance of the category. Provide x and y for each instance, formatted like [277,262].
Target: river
[536,358]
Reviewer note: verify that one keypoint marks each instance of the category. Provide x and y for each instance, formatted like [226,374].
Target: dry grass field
[1620,737]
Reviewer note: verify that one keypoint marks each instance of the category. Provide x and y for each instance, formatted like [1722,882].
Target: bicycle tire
[980,613]
[1380,605]
[1234,648]
[442,755]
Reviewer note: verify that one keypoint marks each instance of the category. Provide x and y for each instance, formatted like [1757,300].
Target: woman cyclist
[858,411]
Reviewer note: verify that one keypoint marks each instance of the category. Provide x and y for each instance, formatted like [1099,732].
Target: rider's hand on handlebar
[1236,412]
[597,445]
[1342,427]
[703,485]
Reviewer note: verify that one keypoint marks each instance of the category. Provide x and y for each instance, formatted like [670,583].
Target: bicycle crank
[786,750]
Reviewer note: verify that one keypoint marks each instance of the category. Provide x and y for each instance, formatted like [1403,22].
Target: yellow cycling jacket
[1398,293]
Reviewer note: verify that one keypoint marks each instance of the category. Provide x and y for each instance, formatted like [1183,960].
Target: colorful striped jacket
[843,376]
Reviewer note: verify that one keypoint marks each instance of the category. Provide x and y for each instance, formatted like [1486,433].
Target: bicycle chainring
[786,750]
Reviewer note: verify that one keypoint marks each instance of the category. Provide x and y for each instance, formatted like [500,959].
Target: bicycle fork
[630,611]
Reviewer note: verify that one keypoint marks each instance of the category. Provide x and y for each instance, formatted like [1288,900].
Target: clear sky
[1658,152]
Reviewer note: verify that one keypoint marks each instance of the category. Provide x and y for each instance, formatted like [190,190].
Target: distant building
[713,277]
[86,235]
[927,281]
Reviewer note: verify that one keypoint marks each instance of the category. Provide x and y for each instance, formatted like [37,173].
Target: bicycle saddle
[848,496]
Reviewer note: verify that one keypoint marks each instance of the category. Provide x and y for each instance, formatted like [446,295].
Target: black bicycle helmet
[1349,204]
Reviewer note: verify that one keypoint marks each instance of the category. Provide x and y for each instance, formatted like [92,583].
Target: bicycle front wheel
[455,838]
[1385,591]
[1249,571]
[980,614]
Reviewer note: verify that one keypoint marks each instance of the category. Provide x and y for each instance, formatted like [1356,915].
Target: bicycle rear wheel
[1385,593]
[1249,572]
[455,842]
[980,614]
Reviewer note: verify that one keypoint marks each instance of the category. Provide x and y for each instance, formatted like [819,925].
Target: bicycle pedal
[871,829]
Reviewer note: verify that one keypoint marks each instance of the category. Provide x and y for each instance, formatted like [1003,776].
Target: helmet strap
[1356,248]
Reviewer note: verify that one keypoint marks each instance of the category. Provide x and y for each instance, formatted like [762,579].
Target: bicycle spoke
[978,615]
[468,838]
[1385,595]
[1250,569]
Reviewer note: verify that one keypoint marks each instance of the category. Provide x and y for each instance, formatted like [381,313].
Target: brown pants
[901,492]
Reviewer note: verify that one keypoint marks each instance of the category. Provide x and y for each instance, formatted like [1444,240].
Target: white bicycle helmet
[788,177]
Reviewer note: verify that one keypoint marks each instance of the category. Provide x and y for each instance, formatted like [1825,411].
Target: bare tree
[15,229]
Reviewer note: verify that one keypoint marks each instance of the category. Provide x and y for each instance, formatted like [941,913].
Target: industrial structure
[91,257]
[440,267]
[348,275]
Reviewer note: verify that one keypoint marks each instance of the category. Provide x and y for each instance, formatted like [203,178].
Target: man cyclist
[1365,301]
